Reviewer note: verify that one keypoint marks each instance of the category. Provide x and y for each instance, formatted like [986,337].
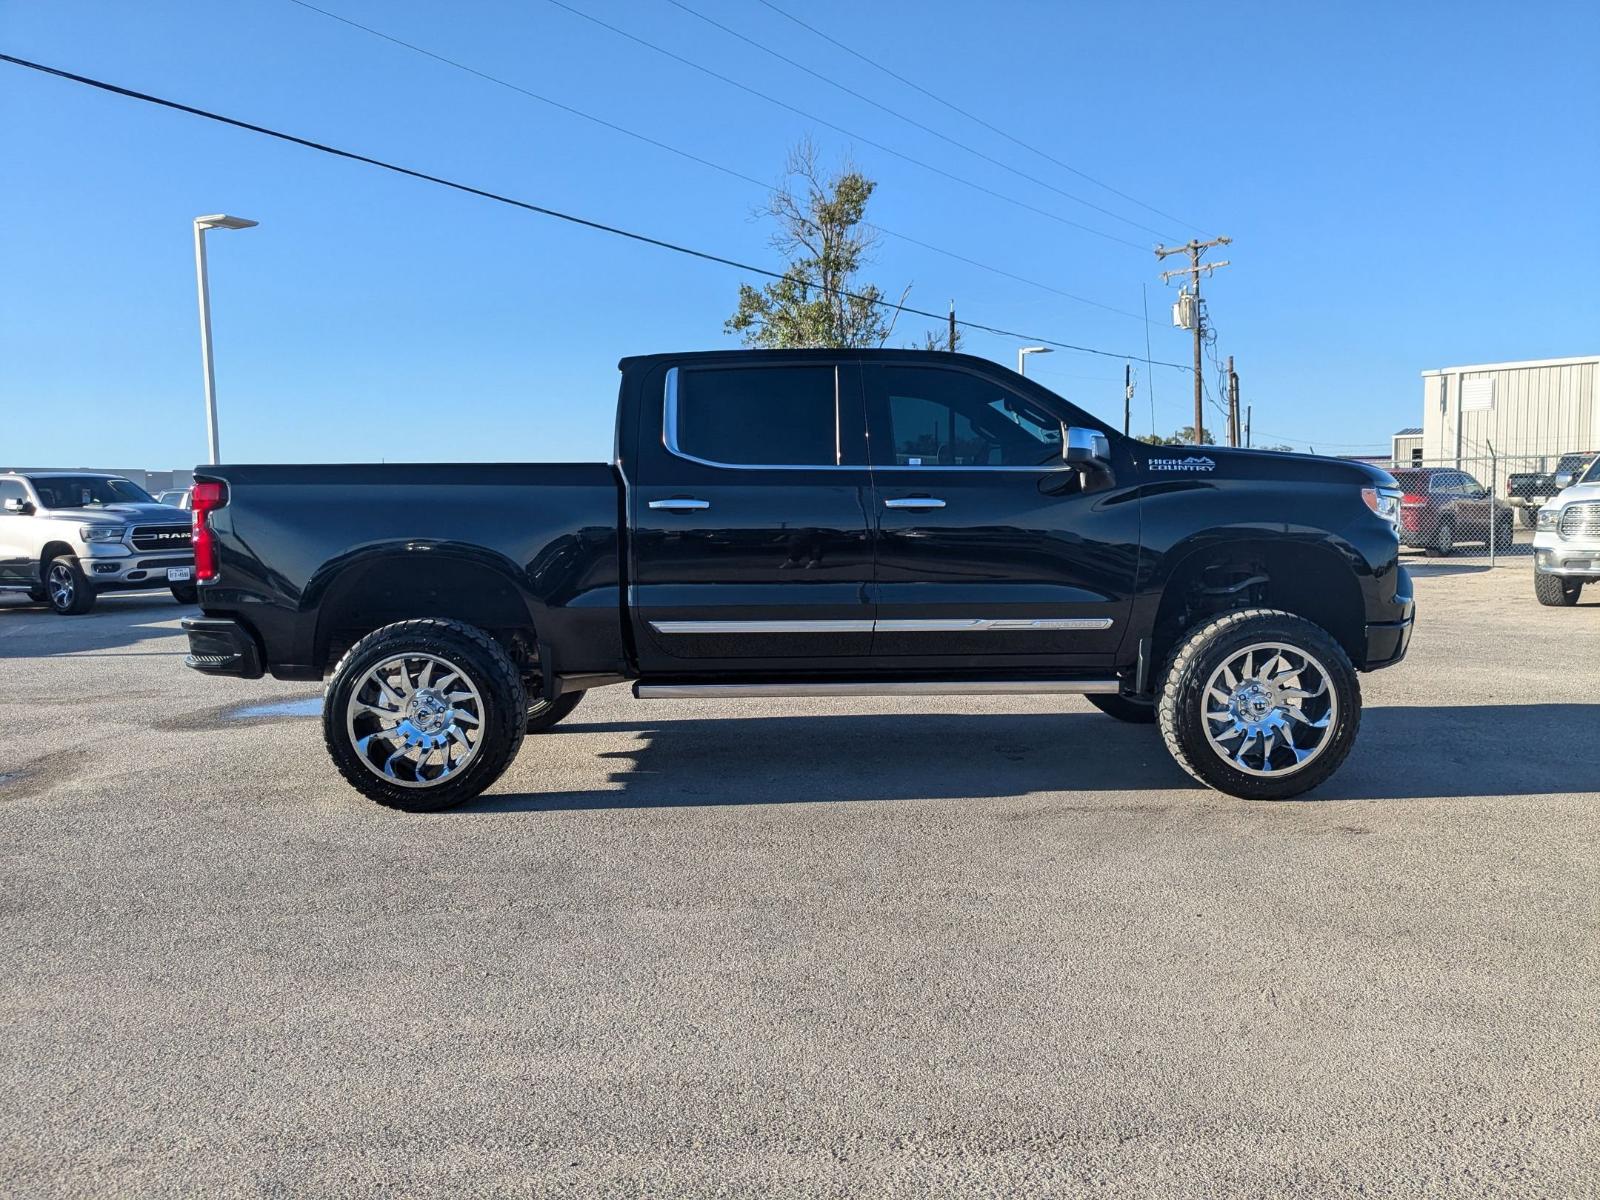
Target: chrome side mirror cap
[1085,447]
[1563,480]
[17,505]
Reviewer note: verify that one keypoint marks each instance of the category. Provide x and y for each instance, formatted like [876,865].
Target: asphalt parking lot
[967,947]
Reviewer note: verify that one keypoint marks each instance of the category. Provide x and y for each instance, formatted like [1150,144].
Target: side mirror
[1085,447]
[1563,480]
[18,506]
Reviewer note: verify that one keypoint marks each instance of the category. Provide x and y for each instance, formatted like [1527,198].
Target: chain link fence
[1478,509]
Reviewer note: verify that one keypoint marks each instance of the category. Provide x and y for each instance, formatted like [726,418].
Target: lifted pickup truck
[813,523]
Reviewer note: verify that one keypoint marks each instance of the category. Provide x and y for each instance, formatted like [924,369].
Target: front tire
[423,715]
[1131,709]
[1443,542]
[1555,592]
[67,589]
[1260,704]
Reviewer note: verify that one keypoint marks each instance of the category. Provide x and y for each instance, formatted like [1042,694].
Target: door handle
[679,505]
[915,502]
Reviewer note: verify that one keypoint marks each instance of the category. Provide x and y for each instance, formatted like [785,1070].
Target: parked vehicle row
[67,536]
[1566,544]
[813,523]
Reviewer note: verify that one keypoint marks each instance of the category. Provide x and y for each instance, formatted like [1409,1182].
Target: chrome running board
[951,687]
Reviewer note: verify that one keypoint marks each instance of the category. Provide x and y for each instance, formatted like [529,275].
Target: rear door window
[756,416]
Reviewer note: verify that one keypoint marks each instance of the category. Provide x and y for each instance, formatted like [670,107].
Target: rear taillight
[206,499]
[1411,512]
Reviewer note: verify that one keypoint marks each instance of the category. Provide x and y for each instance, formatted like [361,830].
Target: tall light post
[201,224]
[1022,356]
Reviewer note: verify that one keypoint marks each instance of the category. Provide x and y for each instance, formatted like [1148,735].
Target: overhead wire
[542,210]
[744,87]
[865,99]
[932,95]
[690,156]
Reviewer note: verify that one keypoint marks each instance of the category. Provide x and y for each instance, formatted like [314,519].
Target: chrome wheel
[1270,709]
[415,720]
[63,586]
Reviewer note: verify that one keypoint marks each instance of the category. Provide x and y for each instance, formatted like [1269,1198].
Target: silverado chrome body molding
[919,625]
[952,687]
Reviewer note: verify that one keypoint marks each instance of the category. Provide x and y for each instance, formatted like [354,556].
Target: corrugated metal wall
[1537,410]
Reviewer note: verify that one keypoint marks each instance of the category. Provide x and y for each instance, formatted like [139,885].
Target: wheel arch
[1314,579]
[384,584]
[52,550]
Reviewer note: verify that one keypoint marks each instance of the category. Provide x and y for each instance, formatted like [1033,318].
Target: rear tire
[419,691]
[1268,745]
[186,593]
[1131,709]
[1443,542]
[545,713]
[1530,517]
[1556,592]
[67,589]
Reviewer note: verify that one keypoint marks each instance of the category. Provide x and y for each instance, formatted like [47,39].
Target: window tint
[943,418]
[758,415]
[87,491]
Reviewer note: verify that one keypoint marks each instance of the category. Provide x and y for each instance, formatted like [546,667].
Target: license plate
[179,574]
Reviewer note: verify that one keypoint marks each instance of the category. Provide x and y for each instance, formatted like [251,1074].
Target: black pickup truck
[813,523]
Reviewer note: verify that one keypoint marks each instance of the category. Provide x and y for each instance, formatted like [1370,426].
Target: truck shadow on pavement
[1402,753]
[119,619]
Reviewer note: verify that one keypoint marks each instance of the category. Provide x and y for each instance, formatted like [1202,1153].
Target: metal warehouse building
[1543,407]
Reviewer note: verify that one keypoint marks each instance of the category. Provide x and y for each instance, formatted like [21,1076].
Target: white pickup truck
[1566,542]
[66,536]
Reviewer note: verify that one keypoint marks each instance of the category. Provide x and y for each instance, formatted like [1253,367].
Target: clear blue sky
[1408,186]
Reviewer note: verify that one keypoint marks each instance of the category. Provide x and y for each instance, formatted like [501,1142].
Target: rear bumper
[219,646]
[1388,641]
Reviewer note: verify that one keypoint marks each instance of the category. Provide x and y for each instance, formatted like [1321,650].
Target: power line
[744,87]
[685,154]
[872,62]
[849,91]
[585,222]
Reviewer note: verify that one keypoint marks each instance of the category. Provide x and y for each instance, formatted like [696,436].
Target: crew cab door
[747,503]
[15,540]
[990,550]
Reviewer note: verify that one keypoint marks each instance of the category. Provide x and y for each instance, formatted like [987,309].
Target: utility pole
[1233,404]
[1194,250]
[952,345]
[1247,411]
[1127,396]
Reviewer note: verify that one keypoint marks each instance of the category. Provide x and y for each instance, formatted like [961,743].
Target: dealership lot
[992,947]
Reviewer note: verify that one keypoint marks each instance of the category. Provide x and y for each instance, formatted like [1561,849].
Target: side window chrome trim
[669,436]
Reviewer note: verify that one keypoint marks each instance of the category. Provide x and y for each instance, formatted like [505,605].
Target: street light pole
[1022,356]
[201,224]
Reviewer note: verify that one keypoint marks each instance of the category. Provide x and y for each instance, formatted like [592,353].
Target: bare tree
[823,235]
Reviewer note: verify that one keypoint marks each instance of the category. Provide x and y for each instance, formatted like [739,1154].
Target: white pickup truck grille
[162,537]
[1580,522]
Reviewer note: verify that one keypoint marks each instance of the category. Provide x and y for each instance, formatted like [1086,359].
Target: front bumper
[1388,641]
[219,646]
[1570,560]
[116,567]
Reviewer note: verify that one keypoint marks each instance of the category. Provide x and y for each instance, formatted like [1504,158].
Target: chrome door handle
[680,505]
[914,502]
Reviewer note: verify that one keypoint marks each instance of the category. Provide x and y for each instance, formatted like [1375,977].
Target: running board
[951,687]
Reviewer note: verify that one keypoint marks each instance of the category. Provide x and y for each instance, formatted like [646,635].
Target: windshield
[1592,475]
[87,491]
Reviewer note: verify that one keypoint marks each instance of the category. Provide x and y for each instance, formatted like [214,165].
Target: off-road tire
[481,659]
[1125,708]
[82,593]
[542,715]
[185,593]
[1443,540]
[1180,706]
[1556,592]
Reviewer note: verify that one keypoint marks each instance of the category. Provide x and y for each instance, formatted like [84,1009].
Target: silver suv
[66,536]
[1566,546]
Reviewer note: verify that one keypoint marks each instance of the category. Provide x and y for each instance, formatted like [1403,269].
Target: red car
[1442,507]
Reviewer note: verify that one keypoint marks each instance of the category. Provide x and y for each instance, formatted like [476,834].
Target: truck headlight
[1548,516]
[101,533]
[1385,502]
